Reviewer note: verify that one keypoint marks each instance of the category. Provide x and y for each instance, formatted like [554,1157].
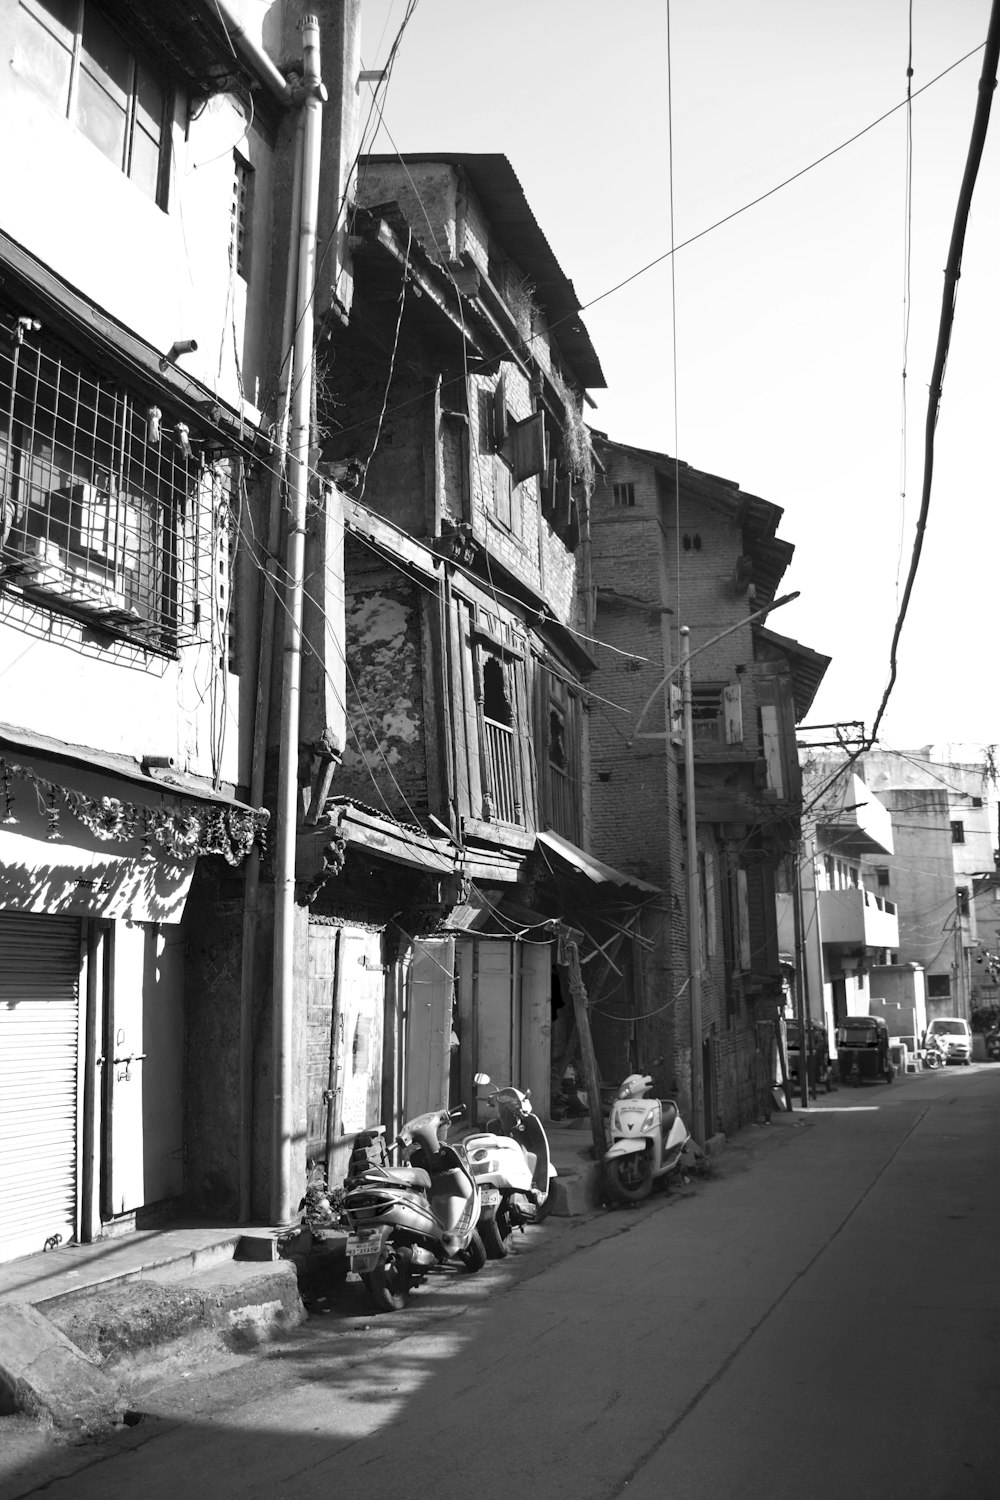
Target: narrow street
[819,1318]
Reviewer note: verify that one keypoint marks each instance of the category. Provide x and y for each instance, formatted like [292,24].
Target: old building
[673,546]
[140,370]
[944,830]
[848,933]
[456,826]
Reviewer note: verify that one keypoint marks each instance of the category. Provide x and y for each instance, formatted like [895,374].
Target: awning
[165,813]
[380,834]
[593,869]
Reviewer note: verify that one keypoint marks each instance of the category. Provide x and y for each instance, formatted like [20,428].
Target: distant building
[671,546]
[942,873]
[847,925]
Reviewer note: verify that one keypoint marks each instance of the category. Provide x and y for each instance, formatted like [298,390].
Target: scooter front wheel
[389,1285]
[628,1179]
[474,1256]
[496,1235]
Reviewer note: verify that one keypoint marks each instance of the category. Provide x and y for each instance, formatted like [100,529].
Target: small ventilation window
[882,874]
[692,541]
[624,495]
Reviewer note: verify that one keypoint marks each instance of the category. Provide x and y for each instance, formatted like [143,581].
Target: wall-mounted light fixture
[179,347]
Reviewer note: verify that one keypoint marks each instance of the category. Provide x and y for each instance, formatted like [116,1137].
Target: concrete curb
[44,1374]
[241,1303]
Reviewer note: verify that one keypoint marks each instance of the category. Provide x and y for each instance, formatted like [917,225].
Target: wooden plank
[578,991]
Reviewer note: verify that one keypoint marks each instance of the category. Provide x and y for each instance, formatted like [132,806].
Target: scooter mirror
[480,1080]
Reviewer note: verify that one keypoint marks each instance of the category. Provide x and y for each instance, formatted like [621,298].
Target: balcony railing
[563,804]
[504,799]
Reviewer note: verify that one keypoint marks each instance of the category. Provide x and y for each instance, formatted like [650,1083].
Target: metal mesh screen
[108,514]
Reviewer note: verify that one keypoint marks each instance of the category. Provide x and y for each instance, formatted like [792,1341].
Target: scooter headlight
[650,1119]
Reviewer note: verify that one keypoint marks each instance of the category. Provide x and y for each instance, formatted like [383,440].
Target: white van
[955,1037]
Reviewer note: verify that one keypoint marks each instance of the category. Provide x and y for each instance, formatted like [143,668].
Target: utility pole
[803,1010]
[964,1008]
[300,435]
[694,901]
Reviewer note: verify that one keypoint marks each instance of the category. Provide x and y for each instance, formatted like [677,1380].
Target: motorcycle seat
[414,1177]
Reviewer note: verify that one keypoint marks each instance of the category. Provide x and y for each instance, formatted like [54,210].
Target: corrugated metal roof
[593,869]
[519,236]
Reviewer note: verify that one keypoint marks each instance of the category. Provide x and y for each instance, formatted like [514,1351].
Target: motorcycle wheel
[389,1285]
[628,1179]
[496,1235]
[474,1257]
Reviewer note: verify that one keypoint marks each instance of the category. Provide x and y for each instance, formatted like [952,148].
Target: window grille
[107,513]
[624,494]
[241,209]
[706,712]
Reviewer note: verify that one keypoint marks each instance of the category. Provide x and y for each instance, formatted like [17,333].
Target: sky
[785,325]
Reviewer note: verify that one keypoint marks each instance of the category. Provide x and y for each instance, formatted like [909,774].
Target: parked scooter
[511,1163]
[648,1137]
[406,1219]
[933,1056]
[993,1044]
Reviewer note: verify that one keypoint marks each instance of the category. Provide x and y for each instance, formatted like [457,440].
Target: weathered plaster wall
[385,763]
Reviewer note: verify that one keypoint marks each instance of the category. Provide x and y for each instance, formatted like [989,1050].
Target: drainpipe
[313,95]
[248,50]
[265,672]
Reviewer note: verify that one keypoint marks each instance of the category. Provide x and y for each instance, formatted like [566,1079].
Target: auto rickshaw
[863,1050]
[820,1068]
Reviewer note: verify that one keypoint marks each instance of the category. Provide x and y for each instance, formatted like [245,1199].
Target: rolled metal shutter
[39,1032]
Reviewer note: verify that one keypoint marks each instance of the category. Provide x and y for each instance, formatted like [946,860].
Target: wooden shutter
[525,447]
[732,710]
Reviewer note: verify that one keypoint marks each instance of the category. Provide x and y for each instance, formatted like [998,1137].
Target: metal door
[143,1069]
[40,961]
[356,1044]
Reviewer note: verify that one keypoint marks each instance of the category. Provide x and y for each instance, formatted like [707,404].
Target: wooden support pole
[570,953]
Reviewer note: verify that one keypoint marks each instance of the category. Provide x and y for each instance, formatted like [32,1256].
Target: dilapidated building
[674,547]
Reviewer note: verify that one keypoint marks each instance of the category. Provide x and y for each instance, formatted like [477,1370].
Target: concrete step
[73,1358]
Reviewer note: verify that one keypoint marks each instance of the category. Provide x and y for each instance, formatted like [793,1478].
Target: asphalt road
[818,1319]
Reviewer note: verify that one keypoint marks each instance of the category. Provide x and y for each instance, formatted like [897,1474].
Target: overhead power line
[953,269]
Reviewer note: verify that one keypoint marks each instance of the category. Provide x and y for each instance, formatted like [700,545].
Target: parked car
[955,1036]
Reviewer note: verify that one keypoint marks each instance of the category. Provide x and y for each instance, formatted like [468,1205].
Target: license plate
[364,1248]
[490,1196]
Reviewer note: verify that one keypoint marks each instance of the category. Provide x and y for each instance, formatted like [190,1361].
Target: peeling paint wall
[385,763]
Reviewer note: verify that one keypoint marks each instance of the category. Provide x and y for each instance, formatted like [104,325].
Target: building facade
[673,546]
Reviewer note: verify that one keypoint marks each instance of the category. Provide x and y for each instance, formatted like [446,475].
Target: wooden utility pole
[570,957]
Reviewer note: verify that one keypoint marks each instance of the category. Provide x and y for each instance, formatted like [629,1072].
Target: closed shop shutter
[39,1030]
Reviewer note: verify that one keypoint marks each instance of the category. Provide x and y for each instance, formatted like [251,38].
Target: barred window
[72,52]
[107,514]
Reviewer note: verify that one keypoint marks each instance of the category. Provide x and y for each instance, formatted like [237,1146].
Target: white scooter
[511,1164]
[648,1138]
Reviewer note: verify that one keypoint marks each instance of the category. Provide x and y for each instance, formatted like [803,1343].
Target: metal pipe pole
[288,762]
[694,902]
[270,591]
[802,1008]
